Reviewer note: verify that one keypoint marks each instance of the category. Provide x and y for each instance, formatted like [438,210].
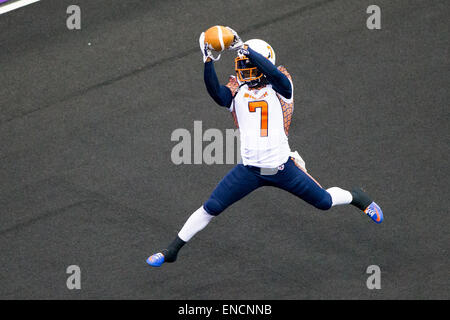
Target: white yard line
[16,5]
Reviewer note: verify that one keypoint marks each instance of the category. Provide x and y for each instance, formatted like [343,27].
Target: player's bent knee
[325,203]
[213,207]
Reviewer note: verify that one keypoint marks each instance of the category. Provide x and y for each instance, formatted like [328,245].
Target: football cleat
[156,260]
[374,212]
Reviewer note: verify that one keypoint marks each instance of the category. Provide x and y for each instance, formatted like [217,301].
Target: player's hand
[237,42]
[243,51]
[206,50]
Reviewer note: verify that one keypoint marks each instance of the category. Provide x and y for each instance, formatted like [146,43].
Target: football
[219,38]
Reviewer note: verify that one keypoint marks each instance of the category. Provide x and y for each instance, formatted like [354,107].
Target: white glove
[237,42]
[206,49]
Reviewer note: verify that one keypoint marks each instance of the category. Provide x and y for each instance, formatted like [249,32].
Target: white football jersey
[263,117]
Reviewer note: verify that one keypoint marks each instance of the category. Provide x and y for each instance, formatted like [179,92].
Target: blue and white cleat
[374,212]
[156,260]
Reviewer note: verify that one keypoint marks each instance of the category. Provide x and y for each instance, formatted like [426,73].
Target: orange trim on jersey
[236,122]
[248,95]
[298,166]
[284,71]
[287,108]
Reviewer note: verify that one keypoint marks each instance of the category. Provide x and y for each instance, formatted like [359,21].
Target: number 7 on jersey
[252,106]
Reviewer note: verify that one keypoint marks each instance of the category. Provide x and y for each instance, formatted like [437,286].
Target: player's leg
[359,199]
[195,223]
[339,196]
[297,181]
[238,183]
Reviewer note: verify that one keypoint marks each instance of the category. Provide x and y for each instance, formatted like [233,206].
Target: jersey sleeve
[286,73]
[287,105]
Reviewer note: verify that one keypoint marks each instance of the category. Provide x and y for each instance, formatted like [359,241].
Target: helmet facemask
[247,72]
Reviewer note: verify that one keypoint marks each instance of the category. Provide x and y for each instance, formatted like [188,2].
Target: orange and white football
[219,38]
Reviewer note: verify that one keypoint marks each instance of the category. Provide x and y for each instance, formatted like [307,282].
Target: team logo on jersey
[281,167]
[248,95]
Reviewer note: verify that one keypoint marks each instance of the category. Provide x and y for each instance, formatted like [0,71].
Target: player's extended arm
[220,93]
[277,79]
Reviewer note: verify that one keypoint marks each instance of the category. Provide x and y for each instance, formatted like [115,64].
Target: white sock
[196,222]
[339,196]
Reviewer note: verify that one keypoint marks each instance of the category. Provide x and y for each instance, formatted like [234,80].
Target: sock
[360,199]
[171,253]
[339,196]
[196,222]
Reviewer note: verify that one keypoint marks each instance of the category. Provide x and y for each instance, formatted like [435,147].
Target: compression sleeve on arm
[220,93]
[277,79]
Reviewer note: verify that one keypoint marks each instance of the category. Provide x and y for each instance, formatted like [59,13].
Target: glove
[237,42]
[243,51]
[205,49]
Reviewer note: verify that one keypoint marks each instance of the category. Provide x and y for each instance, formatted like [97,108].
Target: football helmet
[248,73]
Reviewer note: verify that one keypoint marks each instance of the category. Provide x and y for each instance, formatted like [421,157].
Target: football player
[261,100]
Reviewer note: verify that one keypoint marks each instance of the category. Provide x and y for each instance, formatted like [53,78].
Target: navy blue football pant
[242,180]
